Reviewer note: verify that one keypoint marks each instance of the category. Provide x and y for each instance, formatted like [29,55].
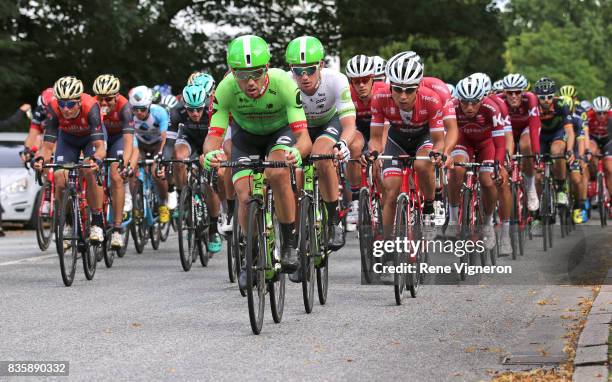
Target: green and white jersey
[333,97]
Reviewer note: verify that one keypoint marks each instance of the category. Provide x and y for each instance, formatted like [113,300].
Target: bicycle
[262,249]
[108,252]
[72,230]
[408,224]
[45,220]
[548,201]
[520,217]
[471,214]
[604,204]
[193,218]
[145,201]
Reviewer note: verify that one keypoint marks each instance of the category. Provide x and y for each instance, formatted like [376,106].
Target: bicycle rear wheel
[201,234]
[67,238]
[603,214]
[109,253]
[366,235]
[276,286]
[400,259]
[321,262]
[44,221]
[238,245]
[184,228]
[255,266]
[307,251]
[138,227]
[155,229]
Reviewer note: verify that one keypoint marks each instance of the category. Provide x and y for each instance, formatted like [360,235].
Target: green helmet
[304,50]
[248,52]
[568,91]
[194,96]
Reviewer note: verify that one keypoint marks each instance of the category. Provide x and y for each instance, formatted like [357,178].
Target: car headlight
[17,186]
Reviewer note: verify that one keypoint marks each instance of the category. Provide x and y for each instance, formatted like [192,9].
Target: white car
[18,188]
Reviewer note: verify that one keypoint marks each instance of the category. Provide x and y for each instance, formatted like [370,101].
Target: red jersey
[87,123]
[503,110]
[486,125]
[525,116]
[425,116]
[362,108]
[437,85]
[119,119]
[598,128]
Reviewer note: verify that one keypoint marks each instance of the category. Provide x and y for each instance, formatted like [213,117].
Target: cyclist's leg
[356,146]
[115,150]
[228,187]
[182,151]
[95,195]
[67,150]
[392,180]
[460,154]
[607,151]
[528,169]
[576,180]
[486,154]
[324,139]
[557,148]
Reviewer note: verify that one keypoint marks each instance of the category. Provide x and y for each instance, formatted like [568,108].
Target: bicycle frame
[148,190]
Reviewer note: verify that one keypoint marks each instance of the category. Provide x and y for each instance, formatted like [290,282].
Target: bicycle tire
[276,286]
[515,225]
[366,235]
[109,253]
[126,240]
[255,264]
[416,279]
[67,261]
[201,235]
[601,204]
[155,229]
[89,255]
[138,223]
[322,266]
[184,230]
[307,251]
[44,224]
[400,231]
[238,244]
[465,228]
[164,232]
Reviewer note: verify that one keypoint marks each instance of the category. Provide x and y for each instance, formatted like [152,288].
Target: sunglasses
[360,80]
[107,98]
[301,70]
[194,109]
[401,89]
[543,97]
[602,113]
[63,104]
[244,75]
[472,101]
[140,108]
[514,92]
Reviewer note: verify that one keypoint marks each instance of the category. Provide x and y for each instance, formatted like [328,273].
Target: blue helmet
[194,96]
[203,79]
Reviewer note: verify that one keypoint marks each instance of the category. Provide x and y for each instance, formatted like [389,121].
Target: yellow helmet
[68,87]
[106,84]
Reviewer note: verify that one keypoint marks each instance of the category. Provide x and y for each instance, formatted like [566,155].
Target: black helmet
[545,86]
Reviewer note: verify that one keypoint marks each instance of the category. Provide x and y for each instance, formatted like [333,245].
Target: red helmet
[46,96]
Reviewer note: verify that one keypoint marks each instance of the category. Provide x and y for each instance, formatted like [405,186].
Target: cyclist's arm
[127,128]
[499,139]
[436,124]
[303,142]
[346,109]
[94,119]
[377,126]
[219,117]
[51,125]
[171,134]
[534,123]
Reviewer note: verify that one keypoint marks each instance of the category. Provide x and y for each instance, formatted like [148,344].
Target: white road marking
[28,260]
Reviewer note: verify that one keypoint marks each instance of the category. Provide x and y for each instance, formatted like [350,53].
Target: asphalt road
[146,319]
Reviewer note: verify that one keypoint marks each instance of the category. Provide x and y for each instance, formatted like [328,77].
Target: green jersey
[279,105]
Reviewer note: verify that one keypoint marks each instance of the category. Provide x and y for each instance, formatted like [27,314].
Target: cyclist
[168,102]
[570,92]
[150,126]
[360,72]
[330,114]
[524,116]
[74,125]
[481,136]
[416,128]
[37,130]
[185,139]
[557,132]
[498,86]
[379,69]
[117,118]
[268,119]
[600,130]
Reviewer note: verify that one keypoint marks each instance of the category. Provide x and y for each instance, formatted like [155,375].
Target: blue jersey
[580,126]
[149,131]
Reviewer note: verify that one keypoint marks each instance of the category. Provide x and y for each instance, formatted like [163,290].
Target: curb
[591,361]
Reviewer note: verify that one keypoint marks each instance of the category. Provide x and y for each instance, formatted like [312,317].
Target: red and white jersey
[487,124]
[425,116]
[362,108]
[597,127]
[526,115]
[439,86]
[503,110]
[87,123]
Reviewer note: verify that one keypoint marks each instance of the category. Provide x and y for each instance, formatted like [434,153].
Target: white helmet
[515,81]
[451,88]
[486,80]
[498,85]
[141,96]
[169,101]
[360,66]
[470,88]
[601,104]
[404,69]
[586,105]
[379,66]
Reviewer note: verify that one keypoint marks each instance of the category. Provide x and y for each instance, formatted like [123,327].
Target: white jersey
[333,97]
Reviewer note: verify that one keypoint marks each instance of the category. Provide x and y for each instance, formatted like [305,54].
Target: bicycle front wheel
[400,259]
[255,257]
[366,235]
[89,254]
[138,227]
[603,214]
[185,229]
[67,238]
[307,248]
[44,220]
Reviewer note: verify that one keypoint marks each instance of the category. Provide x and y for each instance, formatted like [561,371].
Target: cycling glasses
[543,97]
[514,92]
[301,70]
[194,109]
[472,101]
[245,75]
[360,80]
[140,108]
[602,112]
[401,89]
[64,104]
[107,98]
